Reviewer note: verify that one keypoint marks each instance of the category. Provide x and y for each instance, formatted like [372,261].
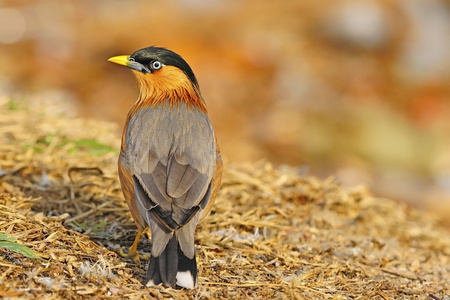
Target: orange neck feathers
[168,84]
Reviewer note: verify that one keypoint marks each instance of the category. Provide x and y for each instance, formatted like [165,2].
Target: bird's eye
[156,65]
[130,59]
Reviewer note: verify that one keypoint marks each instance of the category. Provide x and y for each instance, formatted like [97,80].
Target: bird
[170,165]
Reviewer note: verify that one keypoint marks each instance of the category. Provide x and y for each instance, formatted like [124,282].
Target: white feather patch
[150,283]
[185,279]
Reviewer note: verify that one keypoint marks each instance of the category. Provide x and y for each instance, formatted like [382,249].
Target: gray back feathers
[171,153]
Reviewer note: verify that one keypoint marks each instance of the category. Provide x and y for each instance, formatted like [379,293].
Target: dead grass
[271,234]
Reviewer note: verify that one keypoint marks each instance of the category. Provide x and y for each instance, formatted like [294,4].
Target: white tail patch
[150,283]
[185,279]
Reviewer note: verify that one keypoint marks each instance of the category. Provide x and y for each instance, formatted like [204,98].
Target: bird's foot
[132,253]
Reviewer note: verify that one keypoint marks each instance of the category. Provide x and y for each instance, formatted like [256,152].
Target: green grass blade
[18,248]
[9,238]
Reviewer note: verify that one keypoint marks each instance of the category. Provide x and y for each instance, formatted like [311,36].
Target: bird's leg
[132,252]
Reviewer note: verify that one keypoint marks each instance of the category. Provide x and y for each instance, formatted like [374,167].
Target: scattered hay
[271,234]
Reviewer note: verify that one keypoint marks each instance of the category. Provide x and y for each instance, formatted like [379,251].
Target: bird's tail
[172,267]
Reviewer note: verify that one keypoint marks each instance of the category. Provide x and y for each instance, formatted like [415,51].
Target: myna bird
[170,166]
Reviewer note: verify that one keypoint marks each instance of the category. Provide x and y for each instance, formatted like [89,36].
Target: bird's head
[162,75]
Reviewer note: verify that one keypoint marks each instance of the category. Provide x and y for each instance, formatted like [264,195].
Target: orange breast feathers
[167,84]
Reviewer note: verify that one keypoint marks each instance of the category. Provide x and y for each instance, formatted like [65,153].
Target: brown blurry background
[355,88]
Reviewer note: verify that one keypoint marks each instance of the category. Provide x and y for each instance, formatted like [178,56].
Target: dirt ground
[271,234]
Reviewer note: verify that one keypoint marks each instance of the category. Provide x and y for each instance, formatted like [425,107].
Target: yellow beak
[124,60]
[121,60]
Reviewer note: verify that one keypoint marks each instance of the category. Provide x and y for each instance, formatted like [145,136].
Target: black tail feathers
[172,267]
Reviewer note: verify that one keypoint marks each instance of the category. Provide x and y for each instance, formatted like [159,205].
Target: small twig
[244,284]
[383,295]
[89,212]
[400,273]
[95,171]
[72,199]
[258,284]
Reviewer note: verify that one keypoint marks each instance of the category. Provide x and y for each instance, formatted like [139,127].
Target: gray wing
[173,193]
[172,156]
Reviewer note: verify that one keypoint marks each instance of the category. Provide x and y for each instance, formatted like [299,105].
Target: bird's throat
[167,86]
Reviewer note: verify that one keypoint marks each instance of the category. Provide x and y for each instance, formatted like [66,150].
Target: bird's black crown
[148,55]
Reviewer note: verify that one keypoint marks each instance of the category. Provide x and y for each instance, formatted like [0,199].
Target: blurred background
[355,88]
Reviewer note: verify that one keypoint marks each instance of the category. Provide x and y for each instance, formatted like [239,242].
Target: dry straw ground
[271,234]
